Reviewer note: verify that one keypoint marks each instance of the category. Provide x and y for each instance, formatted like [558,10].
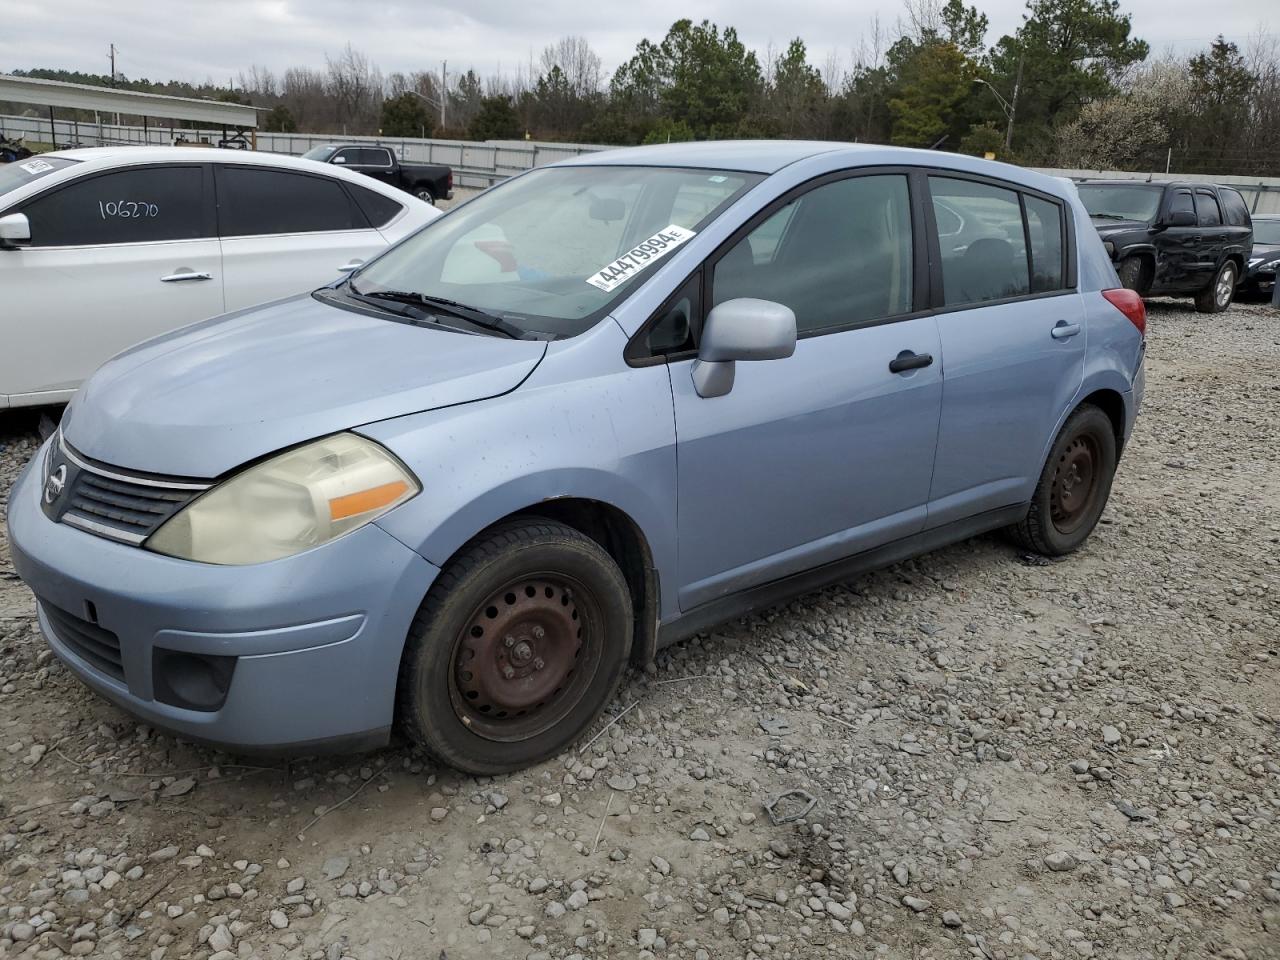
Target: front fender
[608,438]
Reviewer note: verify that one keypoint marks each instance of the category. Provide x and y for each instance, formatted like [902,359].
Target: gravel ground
[1010,759]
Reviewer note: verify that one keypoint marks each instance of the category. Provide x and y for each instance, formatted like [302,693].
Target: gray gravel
[1011,760]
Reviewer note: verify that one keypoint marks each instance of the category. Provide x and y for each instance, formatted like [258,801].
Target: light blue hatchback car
[594,410]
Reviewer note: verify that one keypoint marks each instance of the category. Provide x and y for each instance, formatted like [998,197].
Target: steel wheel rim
[1074,489]
[525,657]
[1226,280]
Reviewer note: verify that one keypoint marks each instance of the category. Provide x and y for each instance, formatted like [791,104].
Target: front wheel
[516,649]
[1218,295]
[1074,486]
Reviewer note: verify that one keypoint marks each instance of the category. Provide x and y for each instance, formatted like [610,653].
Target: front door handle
[351,265]
[183,275]
[1064,330]
[907,360]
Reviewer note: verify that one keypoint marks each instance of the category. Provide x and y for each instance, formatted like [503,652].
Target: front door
[827,452]
[1013,336]
[1179,265]
[113,259]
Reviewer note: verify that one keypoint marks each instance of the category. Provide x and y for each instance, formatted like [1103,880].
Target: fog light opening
[192,681]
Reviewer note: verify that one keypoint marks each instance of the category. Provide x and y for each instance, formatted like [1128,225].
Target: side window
[254,201]
[1233,206]
[346,157]
[1044,227]
[375,157]
[139,205]
[1207,212]
[840,254]
[379,209]
[987,258]
[1181,202]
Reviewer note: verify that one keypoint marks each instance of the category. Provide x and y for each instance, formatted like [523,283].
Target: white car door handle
[351,265]
[185,275]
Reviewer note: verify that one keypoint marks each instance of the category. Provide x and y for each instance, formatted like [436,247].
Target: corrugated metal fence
[483,164]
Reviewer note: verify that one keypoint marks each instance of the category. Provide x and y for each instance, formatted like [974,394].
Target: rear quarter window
[380,209]
[1234,208]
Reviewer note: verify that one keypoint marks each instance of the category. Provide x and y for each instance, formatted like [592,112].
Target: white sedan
[102,248]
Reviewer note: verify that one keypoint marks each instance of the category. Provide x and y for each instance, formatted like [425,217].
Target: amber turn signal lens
[354,504]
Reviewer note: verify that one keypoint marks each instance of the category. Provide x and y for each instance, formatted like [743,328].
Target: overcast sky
[215,39]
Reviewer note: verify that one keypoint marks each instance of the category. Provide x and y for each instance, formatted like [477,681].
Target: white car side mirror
[15,229]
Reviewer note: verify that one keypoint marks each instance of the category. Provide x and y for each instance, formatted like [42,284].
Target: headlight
[290,503]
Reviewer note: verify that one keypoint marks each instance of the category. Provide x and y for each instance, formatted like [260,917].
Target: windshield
[321,153]
[1121,201]
[1266,231]
[550,251]
[22,172]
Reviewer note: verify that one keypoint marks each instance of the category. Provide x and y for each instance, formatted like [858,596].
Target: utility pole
[444,91]
[1013,108]
[112,58]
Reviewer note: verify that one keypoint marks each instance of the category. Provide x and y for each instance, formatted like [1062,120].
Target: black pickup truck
[1174,238]
[426,181]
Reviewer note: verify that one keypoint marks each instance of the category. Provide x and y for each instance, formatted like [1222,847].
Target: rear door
[1012,331]
[286,232]
[114,258]
[1213,231]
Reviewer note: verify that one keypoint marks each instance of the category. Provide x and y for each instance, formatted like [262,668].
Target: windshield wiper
[440,305]
[1108,216]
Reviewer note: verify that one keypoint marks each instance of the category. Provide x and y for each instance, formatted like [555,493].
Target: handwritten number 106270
[127,209]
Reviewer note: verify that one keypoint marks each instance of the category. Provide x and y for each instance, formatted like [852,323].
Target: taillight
[1130,304]
[450,179]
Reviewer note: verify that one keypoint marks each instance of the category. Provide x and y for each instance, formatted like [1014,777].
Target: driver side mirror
[15,230]
[741,329]
[1179,218]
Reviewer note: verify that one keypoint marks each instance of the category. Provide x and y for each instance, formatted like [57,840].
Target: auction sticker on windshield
[639,257]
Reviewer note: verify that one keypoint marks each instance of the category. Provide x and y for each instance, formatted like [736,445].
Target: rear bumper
[315,639]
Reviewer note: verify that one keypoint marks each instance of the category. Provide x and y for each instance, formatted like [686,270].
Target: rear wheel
[1218,295]
[424,193]
[516,649]
[1074,485]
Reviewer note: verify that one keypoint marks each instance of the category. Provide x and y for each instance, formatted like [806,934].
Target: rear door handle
[1064,330]
[182,275]
[907,360]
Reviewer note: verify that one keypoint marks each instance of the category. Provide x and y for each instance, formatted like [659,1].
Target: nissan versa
[596,409]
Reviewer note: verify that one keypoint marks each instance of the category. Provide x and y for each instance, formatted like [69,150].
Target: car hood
[203,400]
[1107,227]
[1265,250]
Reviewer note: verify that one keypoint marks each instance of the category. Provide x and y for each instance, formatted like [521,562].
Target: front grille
[128,511]
[111,502]
[98,647]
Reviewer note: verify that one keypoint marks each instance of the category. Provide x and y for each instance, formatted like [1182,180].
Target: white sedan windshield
[550,250]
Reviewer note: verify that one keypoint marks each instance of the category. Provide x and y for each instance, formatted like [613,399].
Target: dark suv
[1173,239]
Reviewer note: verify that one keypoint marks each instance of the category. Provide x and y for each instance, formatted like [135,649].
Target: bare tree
[580,65]
[356,88]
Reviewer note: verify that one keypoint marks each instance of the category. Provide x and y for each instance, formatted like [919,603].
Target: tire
[515,651]
[1131,271]
[1062,512]
[424,193]
[1216,297]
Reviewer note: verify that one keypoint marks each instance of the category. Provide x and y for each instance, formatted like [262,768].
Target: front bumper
[316,637]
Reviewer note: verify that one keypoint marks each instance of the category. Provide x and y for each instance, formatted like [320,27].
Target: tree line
[1071,86]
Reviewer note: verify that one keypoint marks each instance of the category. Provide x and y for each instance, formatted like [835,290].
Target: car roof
[102,158]
[770,156]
